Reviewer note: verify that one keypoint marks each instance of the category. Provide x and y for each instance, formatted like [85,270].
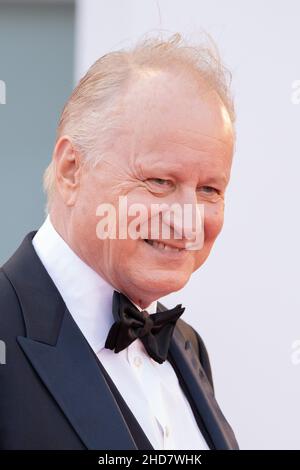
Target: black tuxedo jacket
[55,393]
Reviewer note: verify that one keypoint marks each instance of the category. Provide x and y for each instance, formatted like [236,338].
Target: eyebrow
[176,169]
[222,178]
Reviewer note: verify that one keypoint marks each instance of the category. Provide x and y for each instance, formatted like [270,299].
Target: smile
[163,246]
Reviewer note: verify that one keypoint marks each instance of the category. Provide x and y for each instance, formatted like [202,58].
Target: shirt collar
[86,294]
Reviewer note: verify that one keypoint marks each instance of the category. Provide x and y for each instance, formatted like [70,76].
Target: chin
[161,285]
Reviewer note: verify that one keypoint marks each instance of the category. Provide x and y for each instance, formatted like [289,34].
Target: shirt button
[137,361]
[167,431]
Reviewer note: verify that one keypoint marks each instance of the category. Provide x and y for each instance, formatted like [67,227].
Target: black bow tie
[155,330]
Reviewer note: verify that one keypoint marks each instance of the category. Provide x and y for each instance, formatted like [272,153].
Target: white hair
[94,107]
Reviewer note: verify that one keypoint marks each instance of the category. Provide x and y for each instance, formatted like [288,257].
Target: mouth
[164,247]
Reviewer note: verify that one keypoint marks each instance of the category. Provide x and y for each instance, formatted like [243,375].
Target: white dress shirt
[151,390]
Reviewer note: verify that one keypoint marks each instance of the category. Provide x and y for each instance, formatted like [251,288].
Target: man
[93,359]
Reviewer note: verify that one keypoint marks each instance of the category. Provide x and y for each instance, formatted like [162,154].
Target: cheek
[213,222]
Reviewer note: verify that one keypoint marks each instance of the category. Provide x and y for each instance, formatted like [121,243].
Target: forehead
[161,103]
[172,122]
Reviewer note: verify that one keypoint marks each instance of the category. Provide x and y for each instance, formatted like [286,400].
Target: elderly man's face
[175,146]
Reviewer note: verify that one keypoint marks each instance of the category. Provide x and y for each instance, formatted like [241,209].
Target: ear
[67,163]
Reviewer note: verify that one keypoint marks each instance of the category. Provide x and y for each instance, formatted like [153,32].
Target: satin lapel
[70,372]
[194,377]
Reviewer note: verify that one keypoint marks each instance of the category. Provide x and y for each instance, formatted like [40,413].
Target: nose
[187,221]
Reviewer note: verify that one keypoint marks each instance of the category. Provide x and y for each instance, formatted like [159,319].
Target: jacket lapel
[190,369]
[71,374]
[62,358]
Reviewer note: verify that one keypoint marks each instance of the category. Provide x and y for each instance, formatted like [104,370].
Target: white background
[245,300]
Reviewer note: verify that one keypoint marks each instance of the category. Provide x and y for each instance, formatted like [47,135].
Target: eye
[160,181]
[209,190]
[209,193]
[159,186]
